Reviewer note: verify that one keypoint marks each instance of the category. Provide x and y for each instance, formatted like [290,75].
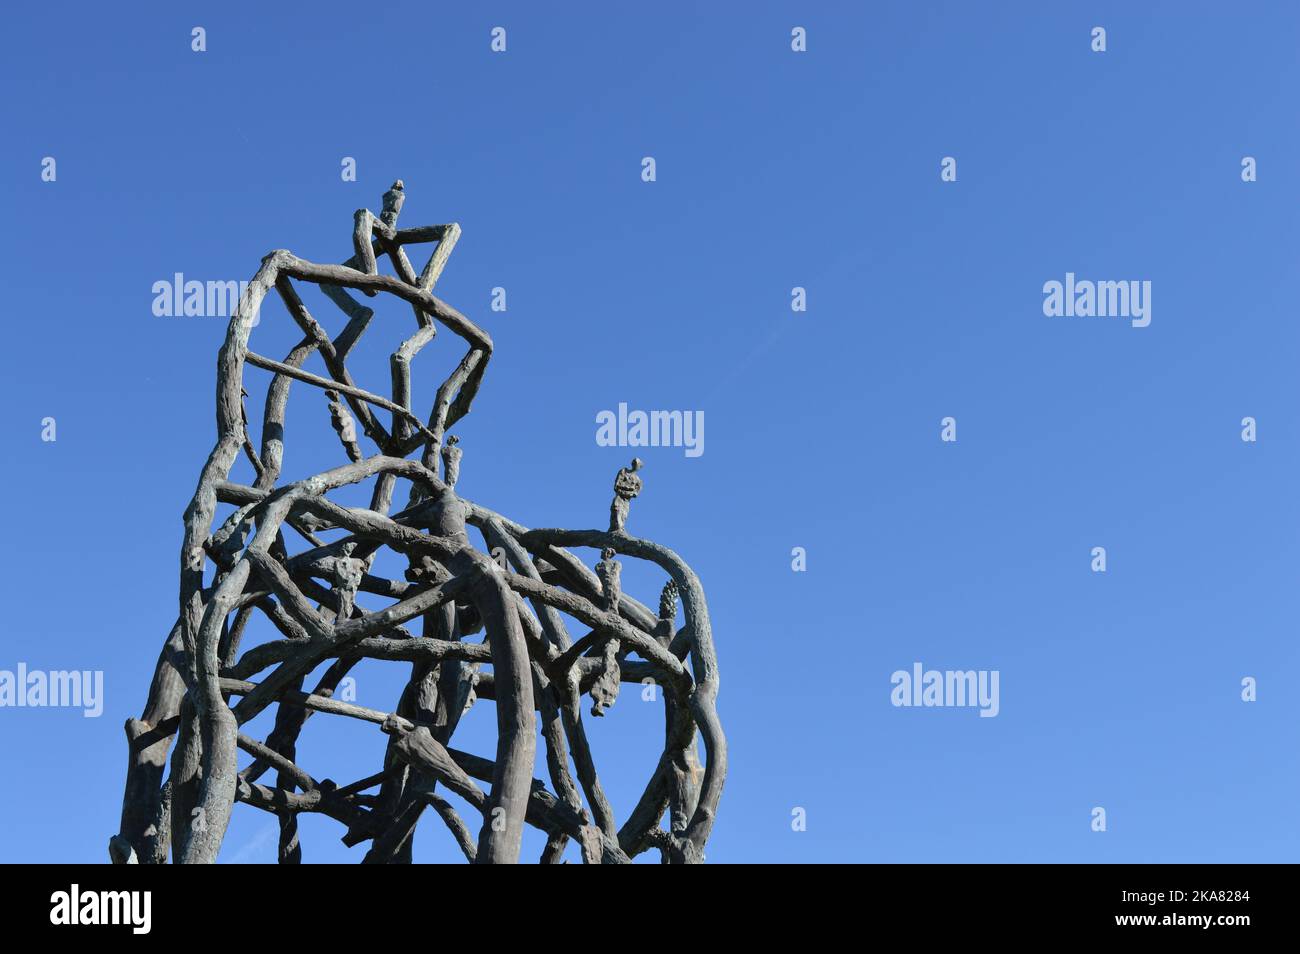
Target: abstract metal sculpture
[526,663]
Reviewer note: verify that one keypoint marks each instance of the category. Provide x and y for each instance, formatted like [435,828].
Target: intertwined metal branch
[523,602]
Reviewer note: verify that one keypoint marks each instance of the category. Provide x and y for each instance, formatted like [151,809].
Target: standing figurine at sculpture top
[392,208]
[626,487]
[481,616]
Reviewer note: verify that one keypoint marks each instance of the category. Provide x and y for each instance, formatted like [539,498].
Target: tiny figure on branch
[348,571]
[609,571]
[344,426]
[605,689]
[451,455]
[626,486]
[393,200]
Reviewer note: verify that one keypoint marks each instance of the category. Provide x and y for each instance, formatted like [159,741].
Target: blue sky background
[775,169]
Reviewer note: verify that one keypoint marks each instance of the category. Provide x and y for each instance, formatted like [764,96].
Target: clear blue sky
[775,169]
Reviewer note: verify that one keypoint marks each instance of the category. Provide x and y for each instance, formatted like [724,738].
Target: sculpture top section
[332,608]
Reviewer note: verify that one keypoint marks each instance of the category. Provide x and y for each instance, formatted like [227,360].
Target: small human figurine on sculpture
[344,426]
[451,455]
[348,571]
[393,200]
[605,689]
[609,571]
[626,486]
